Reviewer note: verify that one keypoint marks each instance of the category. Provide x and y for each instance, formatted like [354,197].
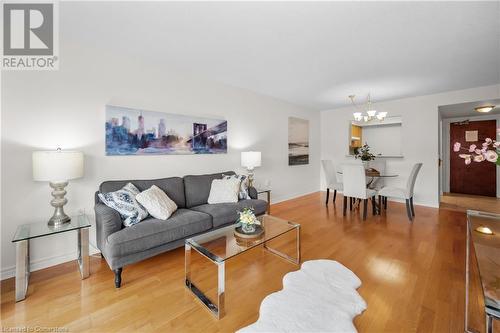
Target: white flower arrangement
[247,216]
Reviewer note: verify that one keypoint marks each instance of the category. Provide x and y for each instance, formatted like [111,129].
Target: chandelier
[370,112]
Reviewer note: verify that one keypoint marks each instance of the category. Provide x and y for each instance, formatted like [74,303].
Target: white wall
[44,110]
[383,140]
[419,136]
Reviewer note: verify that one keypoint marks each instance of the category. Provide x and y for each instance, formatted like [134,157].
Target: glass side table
[487,250]
[26,232]
[268,192]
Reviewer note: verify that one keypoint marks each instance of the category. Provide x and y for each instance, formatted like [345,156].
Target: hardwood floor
[462,202]
[412,274]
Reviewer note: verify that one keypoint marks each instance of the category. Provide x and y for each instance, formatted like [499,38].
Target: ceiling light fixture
[485,108]
[370,112]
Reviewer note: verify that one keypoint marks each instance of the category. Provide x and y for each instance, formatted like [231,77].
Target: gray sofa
[122,246]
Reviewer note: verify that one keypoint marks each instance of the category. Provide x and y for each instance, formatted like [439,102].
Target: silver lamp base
[59,217]
[250,177]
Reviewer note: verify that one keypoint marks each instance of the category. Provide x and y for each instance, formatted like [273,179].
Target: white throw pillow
[157,203]
[224,191]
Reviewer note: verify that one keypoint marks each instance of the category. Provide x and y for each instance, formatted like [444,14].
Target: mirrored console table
[483,237]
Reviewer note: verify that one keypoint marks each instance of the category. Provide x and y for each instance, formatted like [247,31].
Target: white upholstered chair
[354,181]
[404,193]
[331,180]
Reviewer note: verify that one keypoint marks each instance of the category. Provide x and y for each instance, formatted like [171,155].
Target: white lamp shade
[57,165]
[371,113]
[250,159]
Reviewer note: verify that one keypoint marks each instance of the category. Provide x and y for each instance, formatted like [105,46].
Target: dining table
[372,176]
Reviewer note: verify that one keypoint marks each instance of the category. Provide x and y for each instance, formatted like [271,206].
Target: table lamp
[250,160]
[57,167]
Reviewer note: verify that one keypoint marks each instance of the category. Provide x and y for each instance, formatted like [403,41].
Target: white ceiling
[467,109]
[309,53]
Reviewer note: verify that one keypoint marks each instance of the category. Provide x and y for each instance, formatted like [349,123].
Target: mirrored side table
[27,232]
[483,237]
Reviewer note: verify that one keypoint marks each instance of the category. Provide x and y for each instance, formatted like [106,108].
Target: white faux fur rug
[320,297]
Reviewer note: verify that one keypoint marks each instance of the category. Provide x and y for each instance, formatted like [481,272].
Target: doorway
[475,178]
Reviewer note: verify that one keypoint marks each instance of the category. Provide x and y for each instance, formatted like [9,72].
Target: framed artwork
[139,132]
[298,141]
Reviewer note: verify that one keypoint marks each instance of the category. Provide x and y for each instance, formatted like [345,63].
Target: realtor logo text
[30,36]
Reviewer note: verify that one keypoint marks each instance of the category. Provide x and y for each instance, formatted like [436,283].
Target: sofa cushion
[197,187]
[226,213]
[152,232]
[173,187]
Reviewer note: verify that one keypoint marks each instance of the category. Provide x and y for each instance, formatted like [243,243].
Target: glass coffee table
[222,244]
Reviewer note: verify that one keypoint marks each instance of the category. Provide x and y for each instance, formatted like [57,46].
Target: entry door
[475,178]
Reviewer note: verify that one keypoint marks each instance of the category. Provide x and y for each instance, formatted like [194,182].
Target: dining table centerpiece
[363,153]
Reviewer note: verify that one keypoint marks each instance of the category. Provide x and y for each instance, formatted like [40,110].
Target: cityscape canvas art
[298,141]
[139,132]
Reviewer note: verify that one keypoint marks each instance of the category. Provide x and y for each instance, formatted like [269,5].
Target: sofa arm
[252,193]
[108,221]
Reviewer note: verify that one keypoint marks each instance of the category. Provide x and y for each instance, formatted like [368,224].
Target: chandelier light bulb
[371,113]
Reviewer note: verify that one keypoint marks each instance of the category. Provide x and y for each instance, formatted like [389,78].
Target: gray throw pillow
[124,202]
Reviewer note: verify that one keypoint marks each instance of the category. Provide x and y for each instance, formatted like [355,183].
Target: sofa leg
[345,206]
[118,277]
[327,196]
[102,256]
[334,195]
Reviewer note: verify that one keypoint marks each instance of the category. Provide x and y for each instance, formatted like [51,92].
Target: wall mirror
[383,136]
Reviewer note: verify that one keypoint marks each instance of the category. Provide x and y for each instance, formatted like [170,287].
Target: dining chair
[354,181]
[332,181]
[404,193]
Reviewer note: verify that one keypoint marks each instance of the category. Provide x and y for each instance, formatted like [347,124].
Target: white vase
[366,164]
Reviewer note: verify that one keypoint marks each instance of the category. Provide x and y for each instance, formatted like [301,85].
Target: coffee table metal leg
[22,269]
[217,310]
[285,256]
[221,286]
[83,252]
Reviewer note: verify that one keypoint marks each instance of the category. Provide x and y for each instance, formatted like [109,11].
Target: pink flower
[468,161]
[456,146]
[478,158]
[488,141]
[472,148]
[464,156]
[485,144]
[491,156]
[496,144]
[478,151]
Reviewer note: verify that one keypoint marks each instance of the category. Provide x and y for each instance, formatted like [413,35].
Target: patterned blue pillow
[243,192]
[123,201]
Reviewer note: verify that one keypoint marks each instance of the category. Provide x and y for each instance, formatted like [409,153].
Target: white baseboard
[290,197]
[42,263]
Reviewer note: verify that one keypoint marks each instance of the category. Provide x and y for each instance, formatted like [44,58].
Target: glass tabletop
[222,244]
[376,174]
[40,229]
[487,250]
